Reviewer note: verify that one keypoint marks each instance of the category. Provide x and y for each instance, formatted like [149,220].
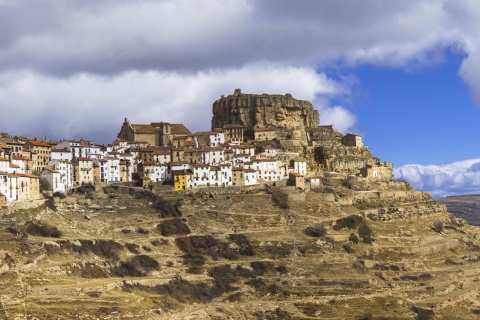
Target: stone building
[155,133]
[41,152]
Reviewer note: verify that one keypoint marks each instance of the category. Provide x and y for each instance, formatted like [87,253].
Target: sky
[403,74]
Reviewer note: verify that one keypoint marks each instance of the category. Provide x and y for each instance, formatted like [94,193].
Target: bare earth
[237,254]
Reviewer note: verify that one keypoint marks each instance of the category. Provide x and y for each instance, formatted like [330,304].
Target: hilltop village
[254,139]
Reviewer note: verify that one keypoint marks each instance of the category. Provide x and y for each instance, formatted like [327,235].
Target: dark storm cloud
[110,37]
[76,66]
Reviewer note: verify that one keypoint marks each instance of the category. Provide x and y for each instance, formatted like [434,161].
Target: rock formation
[265,110]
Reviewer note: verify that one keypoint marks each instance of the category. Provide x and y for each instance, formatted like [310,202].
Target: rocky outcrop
[265,110]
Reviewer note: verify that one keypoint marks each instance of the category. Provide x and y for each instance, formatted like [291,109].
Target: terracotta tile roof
[14,166]
[51,170]
[39,143]
[204,133]
[179,128]
[296,174]
[144,128]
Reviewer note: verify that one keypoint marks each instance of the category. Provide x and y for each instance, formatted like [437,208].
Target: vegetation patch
[138,266]
[205,245]
[245,248]
[167,209]
[273,314]
[280,198]
[89,271]
[317,230]
[43,230]
[173,227]
[351,222]
[133,248]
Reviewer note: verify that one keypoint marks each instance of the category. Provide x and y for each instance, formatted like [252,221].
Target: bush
[366,233]
[353,238]
[347,248]
[350,222]
[103,248]
[142,231]
[438,226]
[43,230]
[317,230]
[280,198]
[167,209]
[137,266]
[12,230]
[173,227]
[245,248]
[205,245]
[59,195]
[133,248]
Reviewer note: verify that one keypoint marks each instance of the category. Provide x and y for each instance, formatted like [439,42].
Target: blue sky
[424,116]
[404,74]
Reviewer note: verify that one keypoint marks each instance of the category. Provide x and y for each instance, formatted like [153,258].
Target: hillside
[466,207]
[337,252]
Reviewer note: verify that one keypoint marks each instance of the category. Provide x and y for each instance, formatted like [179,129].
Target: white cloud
[93,106]
[461,177]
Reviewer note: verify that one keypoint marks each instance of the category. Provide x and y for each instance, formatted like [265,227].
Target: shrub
[43,230]
[366,233]
[137,266]
[12,230]
[167,209]
[317,230]
[245,248]
[438,226]
[133,248]
[205,245]
[367,316]
[350,222]
[353,238]
[347,248]
[173,227]
[280,198]
[142,230]
[103,248]
[59,194]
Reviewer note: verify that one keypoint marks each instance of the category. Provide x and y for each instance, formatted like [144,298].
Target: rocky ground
[339,252]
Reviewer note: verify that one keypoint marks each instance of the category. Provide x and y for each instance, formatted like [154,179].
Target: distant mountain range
[466,207]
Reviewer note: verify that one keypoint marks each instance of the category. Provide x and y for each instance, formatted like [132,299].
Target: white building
[51,178]
[300,166]
[201,174]
[250,177]
[79,149]
[65,169]
[156,172]
[266,169]
[61,154]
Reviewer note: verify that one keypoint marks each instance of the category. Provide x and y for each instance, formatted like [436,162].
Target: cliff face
[264,110]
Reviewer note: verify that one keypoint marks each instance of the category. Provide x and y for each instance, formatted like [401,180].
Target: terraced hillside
[338,252]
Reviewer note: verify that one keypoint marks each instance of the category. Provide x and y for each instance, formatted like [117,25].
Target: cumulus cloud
[457,178]
[115,36]
[80,66]
[93,106]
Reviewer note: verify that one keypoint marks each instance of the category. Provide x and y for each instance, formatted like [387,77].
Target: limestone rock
[265,110]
